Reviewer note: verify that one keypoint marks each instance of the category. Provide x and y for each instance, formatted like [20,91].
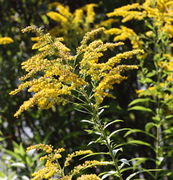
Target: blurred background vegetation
[60,127]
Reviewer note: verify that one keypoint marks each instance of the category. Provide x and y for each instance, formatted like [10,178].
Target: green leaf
[149,125]
[107,174]
[18,157]
[141,171]
[2,175]
[138,161]
[169,117]
[139,142]
[94,154]
[115,151]
[134,174]
[2,139]
[87,121]
[131,131]
[151,74]
[124,162]
[140,100]
[117,131]
[18,164]
[112,122]
[140,108]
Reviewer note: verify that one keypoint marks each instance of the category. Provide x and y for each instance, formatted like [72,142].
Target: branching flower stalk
[55,76]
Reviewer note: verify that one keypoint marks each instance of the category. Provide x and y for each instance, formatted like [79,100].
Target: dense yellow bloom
[53,75]
[83,177]
[89,177]
[74,154]
[158,16]
[107,73]
[52,166]
[78,17]
[6,40]
[57,17]
[159,10]
[124,33]
[72,24]
[58,79]
[44,147]
[86,165]
[128,12]
[90,14]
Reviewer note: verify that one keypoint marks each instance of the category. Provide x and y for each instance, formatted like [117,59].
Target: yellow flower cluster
[44,147]
[53,73]
[129,12]
[83,177]
[52,166]
[160,11]
[158,89]
[89,177]
[124,33]
[87,164]
[74,154]
[6,40]
[69,20]
[70,23]
[104,74]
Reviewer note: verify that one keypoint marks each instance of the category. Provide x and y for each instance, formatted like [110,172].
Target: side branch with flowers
[56,76]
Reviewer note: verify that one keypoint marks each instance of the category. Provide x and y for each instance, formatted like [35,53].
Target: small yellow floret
[6,40]
[89,177]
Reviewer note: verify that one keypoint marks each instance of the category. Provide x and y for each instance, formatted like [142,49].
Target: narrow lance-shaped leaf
[140,100]
[131,131]
[117,131]
[140,108]
[112,122]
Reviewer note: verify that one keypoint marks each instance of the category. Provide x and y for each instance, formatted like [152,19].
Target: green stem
[98,125]
[107,142]
[160,49]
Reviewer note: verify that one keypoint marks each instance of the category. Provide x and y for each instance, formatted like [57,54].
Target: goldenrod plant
[54,73]
[155,85]
[53,169]
[56,76]
[73,25]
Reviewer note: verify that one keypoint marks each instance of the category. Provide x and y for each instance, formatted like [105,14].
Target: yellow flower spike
[52,166]
[44,147]
[74,154]
[6,40]
[64,10]
[57,17]
[59,77]
[88,164]
[124,33]
[78,16]
[128,12]
[89,177]
[90,14]
[65,178]
[87,37]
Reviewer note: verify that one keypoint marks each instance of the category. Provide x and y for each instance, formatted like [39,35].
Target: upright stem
[94,111]
[98,123]
[160,49]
